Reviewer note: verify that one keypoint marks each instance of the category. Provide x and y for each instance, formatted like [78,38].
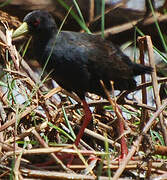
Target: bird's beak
[23,29]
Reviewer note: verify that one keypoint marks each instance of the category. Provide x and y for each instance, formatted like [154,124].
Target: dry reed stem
[43,143]
[155,86]
[138,141]
[38,100]
[91,10]
[144,112]
[147,84]
[55,175]
[14,54]
[157,113]
[131,25]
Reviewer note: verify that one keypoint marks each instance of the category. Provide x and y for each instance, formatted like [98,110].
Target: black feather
[79,61]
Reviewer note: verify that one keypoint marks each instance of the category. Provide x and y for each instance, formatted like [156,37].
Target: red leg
[124,149]
[87,119]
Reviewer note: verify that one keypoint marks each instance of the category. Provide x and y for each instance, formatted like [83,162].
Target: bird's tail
[139,69]
[125,84]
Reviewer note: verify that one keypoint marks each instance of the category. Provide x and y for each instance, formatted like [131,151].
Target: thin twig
[42,142]
[91,10]
[138,141]
[120,99]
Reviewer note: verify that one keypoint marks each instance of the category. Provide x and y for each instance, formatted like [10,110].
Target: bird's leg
[87,119]
[124,149]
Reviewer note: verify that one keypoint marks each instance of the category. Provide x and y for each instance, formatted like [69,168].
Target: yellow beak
[23,29]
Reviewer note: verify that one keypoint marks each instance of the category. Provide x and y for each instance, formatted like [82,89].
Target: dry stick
[52,92]
[106,103]
[15,55]
[42,142]
[106,11]
[3,98]
[45,174]
[12,49]
[28,70]
[138,141]
[139,105]
[25,66]
[3,114]
[144,112]
[130,25]
[121,100]
[27,132]
[155,86]
[47,150]
[91,10]
[12,120]
[15,59]
[100,137]
[119,116]
[17,166]
[125,93]
[2,119]
[161,150]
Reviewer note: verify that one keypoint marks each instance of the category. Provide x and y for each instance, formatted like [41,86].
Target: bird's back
[79,61]
[100,56]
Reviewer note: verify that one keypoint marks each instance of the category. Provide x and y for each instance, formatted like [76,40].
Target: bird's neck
[42,39]
[46,34]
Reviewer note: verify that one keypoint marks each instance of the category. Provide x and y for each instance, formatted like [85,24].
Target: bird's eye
[36,22]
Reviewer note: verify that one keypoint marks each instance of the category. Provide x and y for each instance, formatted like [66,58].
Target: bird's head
[36,22]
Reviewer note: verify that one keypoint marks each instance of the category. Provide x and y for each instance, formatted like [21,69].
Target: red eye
[36,22]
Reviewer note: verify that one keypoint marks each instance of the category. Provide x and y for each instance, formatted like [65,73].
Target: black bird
[78,61]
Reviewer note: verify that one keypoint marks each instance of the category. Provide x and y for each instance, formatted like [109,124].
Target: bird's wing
[92,55]
[100,56]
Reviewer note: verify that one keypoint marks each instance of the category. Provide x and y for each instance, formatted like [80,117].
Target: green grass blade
[5,3]
[61,131]
[102,18]
[135,44]
[43,70]
[155,49]
[160,138]
[26,47]
[78,20]
[3,84]
[79,11]
[107,155]
[68,124]
[158,28]
[100,167]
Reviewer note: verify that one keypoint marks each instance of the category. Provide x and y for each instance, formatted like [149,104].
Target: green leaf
[60,130]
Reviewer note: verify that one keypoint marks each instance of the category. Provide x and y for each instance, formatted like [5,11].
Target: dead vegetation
[36,133]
